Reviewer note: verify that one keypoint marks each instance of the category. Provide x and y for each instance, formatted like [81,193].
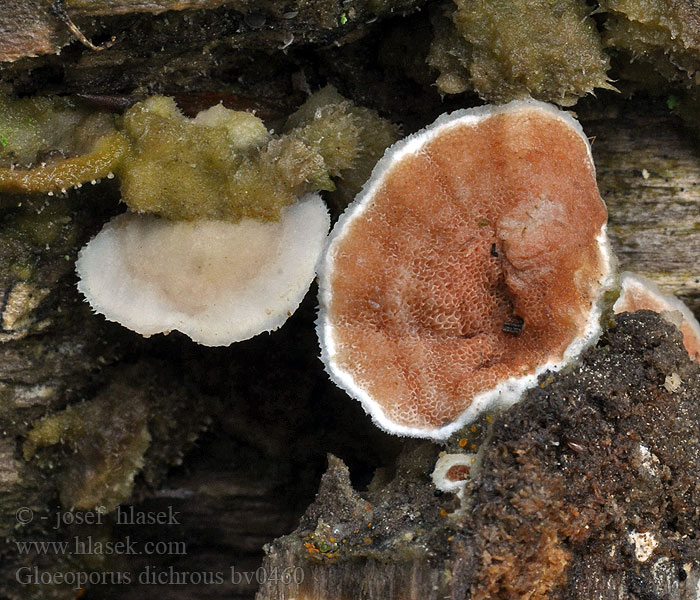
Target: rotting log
[230,499]
[587,489]
[227,515]
[257,469]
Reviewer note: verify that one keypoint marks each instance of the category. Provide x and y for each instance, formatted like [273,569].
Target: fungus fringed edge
[452,471]
[459,221]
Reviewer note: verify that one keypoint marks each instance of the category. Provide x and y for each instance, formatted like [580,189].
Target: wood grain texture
[648,166]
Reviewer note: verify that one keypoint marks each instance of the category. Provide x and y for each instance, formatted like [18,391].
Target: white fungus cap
[638,292]
[215,281]
[512,183]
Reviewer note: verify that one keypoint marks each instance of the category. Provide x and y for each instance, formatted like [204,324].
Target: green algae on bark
[546,49]
[105,459]
[126,430]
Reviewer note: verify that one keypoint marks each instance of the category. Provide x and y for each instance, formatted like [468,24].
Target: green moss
[183,169]
[223,164]
[34,126]
[687,107]
[51,145]
[547,49]
[607,316]
[59,175]
[359,141]
[230,167]
[449,54]
[21,270]
[67,426]
[662,35]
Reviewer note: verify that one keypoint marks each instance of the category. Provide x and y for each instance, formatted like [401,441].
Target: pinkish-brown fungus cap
[474,259]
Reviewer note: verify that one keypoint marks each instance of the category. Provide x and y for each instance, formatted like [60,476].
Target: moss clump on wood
[223,164]
[662,35]
[547,49]
[50,145]
[230,167]
[373,136]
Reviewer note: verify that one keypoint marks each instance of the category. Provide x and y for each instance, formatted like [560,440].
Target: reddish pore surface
[487,224]
[458,473]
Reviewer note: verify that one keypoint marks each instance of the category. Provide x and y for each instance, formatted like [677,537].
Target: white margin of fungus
[508,392]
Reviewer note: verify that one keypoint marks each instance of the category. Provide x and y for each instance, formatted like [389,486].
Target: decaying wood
[648,167]
[587,489]
[252,476]
[227,528]
[35,27]
[229,513]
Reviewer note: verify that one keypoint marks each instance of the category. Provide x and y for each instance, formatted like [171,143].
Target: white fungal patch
[644,545]
[215,281]
[648,462]
[452,471]
[672,382]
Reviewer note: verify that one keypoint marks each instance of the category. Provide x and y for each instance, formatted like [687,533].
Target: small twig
[60,12]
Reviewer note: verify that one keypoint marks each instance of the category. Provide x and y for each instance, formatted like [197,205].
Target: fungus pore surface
[474,259]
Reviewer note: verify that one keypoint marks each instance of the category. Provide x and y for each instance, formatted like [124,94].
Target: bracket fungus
[475,258]
[639,293]
[217,282]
